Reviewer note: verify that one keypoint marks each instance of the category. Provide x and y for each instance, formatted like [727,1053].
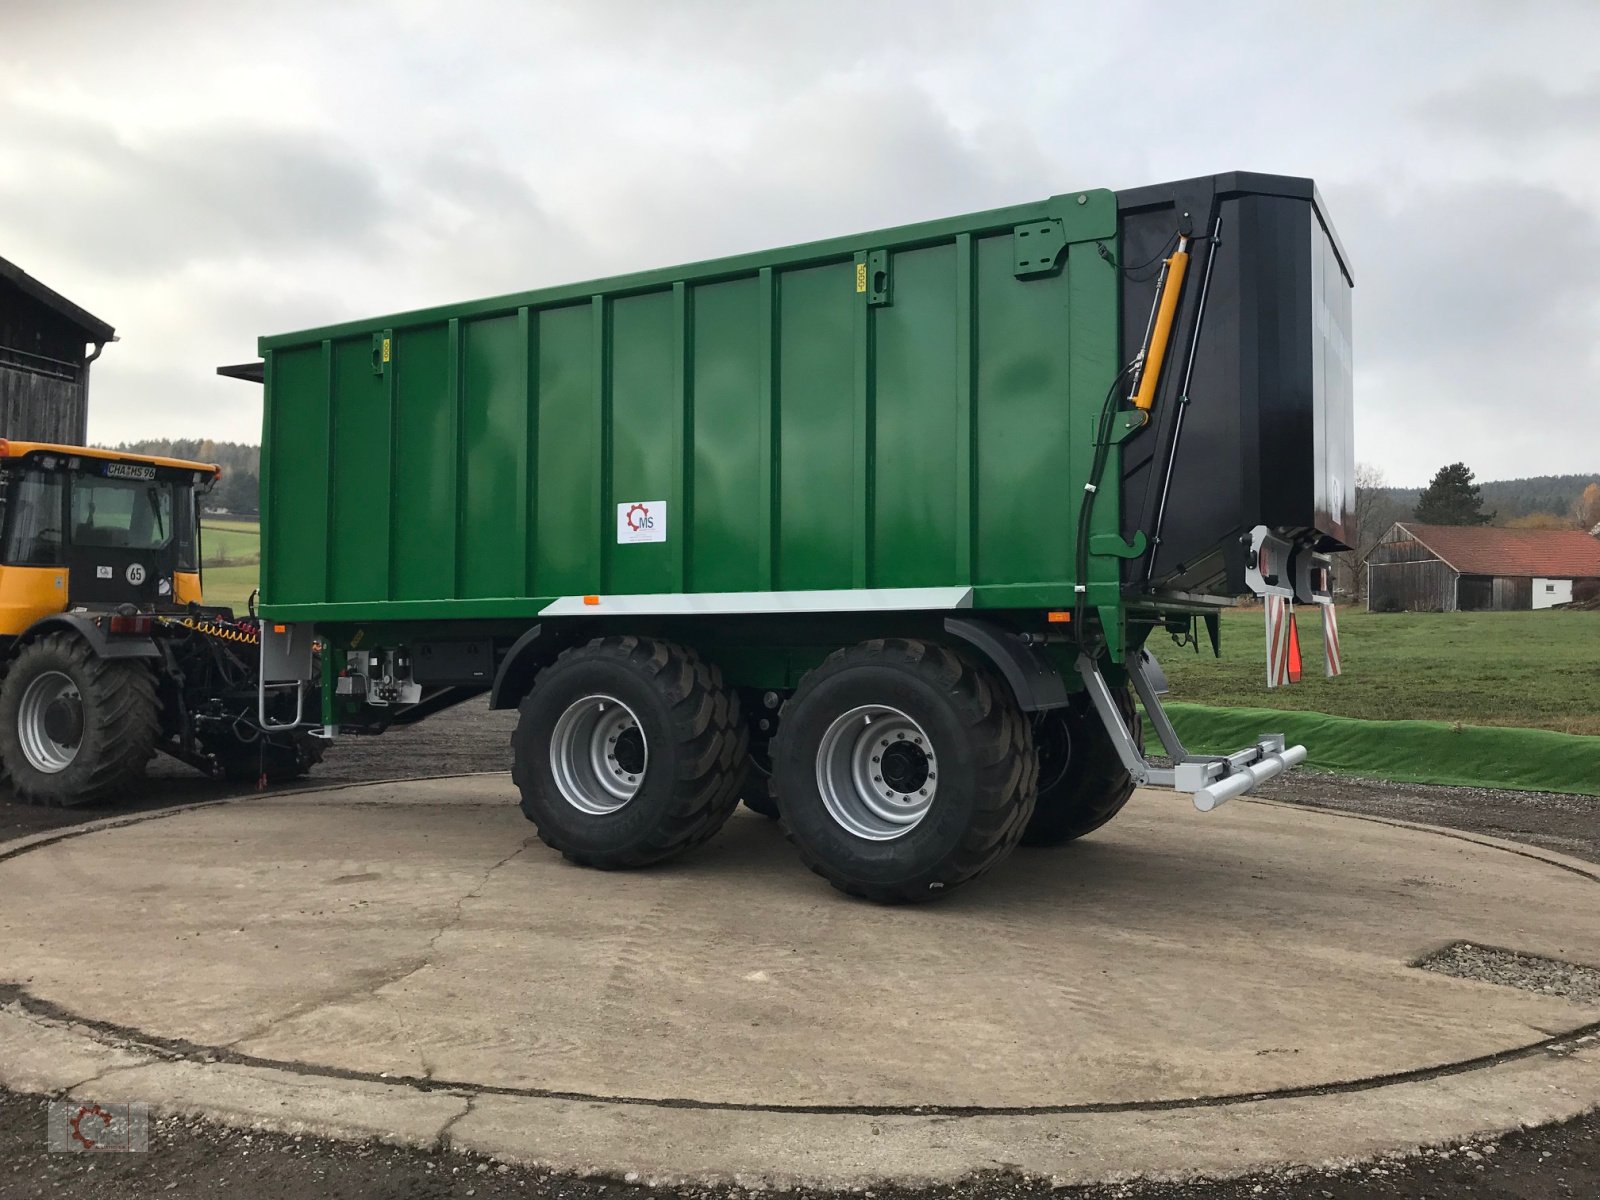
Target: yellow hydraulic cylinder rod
[1150,376]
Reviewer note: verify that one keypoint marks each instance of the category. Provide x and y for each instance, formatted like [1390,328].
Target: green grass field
[231,547]
[230,540]
[1532,669]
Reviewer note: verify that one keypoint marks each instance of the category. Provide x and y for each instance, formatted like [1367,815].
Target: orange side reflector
[280,629]
[591,599]
[1294,650]
[1058,617]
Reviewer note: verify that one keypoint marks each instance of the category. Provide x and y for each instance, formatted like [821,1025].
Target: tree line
[239,489]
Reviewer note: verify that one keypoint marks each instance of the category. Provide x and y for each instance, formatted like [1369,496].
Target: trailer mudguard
[1034,680]
[88,627]
[514,676]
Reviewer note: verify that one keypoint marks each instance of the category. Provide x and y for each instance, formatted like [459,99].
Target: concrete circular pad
[1179,993]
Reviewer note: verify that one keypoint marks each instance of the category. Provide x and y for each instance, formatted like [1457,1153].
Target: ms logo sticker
[641,521]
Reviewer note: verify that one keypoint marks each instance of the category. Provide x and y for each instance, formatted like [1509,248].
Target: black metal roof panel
[95,330]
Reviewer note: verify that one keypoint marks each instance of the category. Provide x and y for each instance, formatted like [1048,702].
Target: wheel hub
[63,720]
[50,722]
[877,772]
[598,755]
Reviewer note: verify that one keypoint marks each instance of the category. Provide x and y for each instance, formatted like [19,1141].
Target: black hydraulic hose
[1102,447]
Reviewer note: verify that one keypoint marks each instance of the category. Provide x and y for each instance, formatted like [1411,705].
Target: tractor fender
[89,629]
[1034,680]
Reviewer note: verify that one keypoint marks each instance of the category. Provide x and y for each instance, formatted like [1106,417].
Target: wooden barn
[46,345]
[1474,568]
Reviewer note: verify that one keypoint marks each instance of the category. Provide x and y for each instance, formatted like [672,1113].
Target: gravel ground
[1508,968]
[192,1158]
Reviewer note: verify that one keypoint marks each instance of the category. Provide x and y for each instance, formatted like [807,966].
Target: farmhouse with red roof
[1466,568]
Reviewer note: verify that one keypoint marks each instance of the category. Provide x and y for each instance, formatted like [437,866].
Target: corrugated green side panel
[913,425]
[494,448]
[725,519]
[1025,502]
[424,499]
[898,410]
[644,415]
[566,534]
[294,508]
[816,502]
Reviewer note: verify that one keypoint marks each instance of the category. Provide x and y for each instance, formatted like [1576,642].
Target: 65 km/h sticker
[641,521]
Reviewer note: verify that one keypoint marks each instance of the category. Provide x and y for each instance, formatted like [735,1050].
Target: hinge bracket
[1036,247]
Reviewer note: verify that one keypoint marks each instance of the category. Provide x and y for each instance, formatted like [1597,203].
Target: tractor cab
[96,529]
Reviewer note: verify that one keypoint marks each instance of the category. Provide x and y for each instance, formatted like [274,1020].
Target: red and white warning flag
[1283,642]
[1330,640]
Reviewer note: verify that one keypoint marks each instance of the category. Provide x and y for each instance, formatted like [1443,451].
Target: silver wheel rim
[42,751]
[877,772]
[598,755]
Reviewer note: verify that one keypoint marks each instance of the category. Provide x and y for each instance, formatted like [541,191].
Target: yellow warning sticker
[861,277]
[385,349]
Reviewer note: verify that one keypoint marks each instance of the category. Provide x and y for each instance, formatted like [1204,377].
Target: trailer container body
[1028,437]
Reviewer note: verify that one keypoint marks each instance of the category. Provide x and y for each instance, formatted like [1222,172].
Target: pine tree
[1452,499]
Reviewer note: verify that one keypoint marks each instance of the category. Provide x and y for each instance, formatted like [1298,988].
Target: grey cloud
[187,196]
[1449,274]
[1514,109]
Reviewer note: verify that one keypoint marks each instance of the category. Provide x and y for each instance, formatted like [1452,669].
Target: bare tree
[1375,511]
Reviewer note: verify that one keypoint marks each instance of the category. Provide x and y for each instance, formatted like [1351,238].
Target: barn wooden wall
[38,407]
[44,381]
[1404,576]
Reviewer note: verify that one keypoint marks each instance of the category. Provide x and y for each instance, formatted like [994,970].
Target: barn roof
[1483,550]
[95,330]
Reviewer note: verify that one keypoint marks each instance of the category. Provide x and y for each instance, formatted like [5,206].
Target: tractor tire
[1082,782]
[629,751]
[76,728]
[904,769]
[276,761]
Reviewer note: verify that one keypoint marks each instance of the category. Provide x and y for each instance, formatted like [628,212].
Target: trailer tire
[74,727]
[1082,782]
[963,792]
[629,751]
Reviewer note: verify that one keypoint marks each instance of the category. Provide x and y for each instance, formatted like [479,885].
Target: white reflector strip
[1330,640]
[712,603]
[1279,613]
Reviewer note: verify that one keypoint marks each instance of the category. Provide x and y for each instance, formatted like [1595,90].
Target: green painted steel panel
[567,559]
[1025,506]
[644,415]
[913,415]
[928,429]
[493,446]
[294,501]
[424,501]
[726,474]
[818,509]
[358,559]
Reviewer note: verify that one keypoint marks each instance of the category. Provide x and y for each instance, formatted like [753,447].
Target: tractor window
[127,514]
[33,518]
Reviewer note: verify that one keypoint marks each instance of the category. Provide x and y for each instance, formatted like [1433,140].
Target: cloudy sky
[198,173]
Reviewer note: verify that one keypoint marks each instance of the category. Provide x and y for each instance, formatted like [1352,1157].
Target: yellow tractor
[107,652]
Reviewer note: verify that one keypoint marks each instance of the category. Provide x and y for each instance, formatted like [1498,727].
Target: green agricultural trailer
[872,532]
